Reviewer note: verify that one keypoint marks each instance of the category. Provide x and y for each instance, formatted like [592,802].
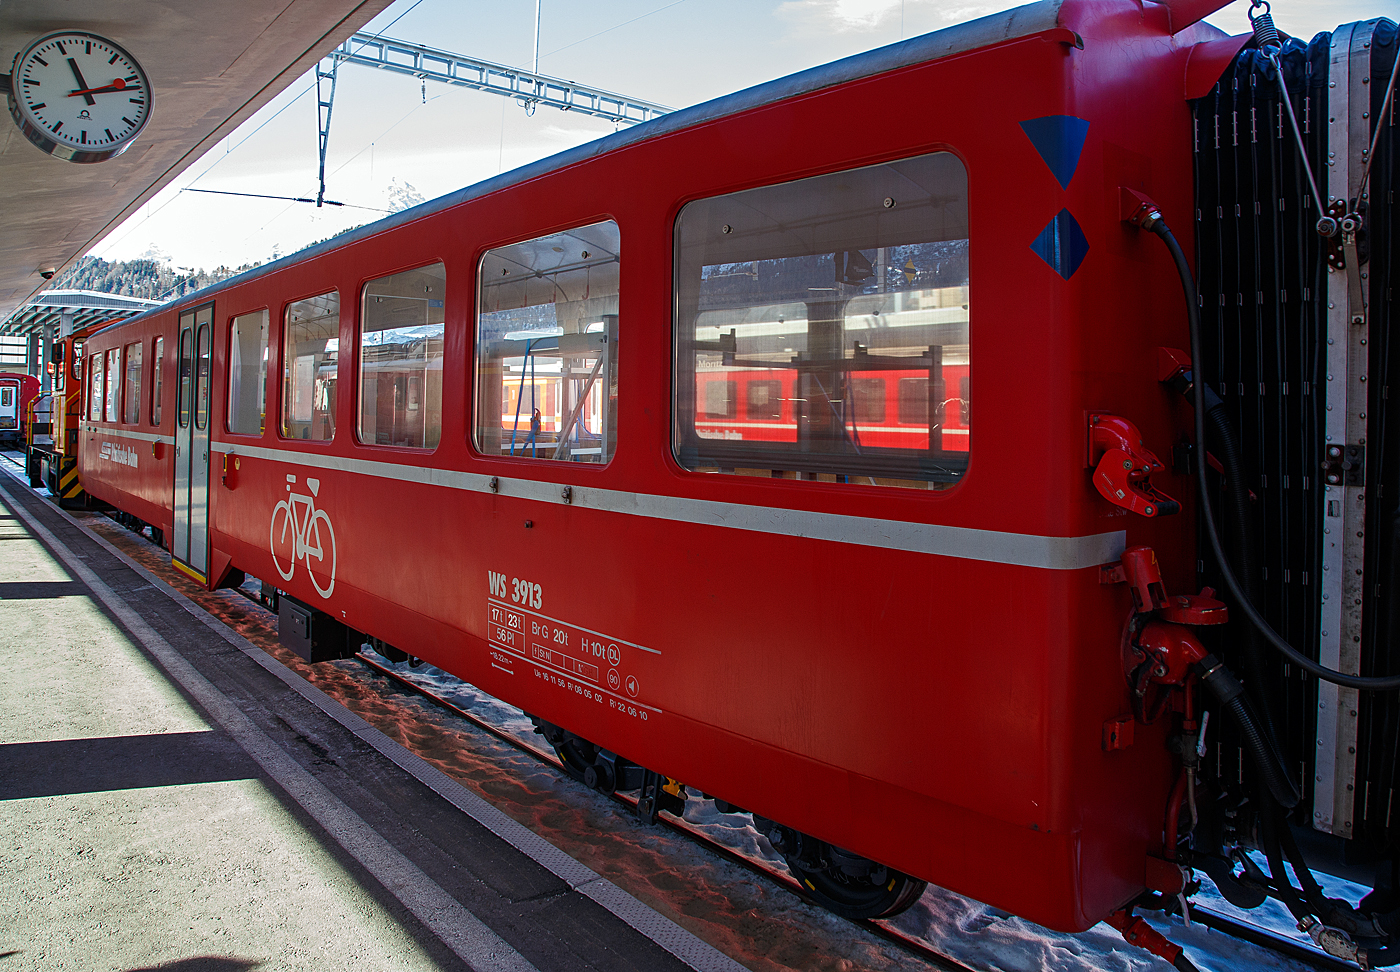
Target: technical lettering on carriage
[588,665]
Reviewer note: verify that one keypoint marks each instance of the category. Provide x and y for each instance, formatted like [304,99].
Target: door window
[201,401]
[186,373]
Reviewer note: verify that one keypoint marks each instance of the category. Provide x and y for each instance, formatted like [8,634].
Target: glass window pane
[157,378]
[201,401]
[816,302]
[58,365]
[546,347]
[401,333]
[247,373]
[95,389]
[765,399]
[311,344]
[114,371]
[132,412]
[186,370]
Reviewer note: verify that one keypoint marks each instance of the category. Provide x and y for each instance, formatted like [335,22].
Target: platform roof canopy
[212,64]
[81,307]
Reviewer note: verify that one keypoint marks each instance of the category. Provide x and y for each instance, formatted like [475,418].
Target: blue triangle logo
[1062,244]
[1059,139]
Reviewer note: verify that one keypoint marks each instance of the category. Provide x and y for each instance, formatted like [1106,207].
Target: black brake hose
[1387,683]
[1282,884]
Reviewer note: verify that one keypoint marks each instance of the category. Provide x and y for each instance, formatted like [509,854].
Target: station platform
[173,797]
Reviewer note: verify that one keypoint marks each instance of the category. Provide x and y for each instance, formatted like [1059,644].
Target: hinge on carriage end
[1345,465]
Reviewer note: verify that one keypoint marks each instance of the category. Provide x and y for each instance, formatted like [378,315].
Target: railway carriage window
[157,379]
[765,399]
[401,335]
[95,388]
[132,411]
[186,368]
[247,373]
[311,345]
[721,399]
[868,399]
[114,373]
[547,346]
[59,365]
[913,401]
[201,394]
[843,288]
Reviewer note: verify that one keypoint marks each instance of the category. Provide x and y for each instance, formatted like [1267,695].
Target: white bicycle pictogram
[299,536]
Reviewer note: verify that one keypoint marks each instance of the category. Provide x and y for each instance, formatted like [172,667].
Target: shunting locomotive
[721,511]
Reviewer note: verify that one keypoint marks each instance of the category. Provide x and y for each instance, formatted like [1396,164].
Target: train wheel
[841,882]
[880,893]
[576,754]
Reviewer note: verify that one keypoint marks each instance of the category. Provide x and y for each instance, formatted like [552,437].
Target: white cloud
[914,16]
[841,15]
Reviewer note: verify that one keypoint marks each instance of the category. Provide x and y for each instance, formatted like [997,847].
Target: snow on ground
[760,924]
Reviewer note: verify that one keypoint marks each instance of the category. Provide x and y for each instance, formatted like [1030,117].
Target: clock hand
[81,83]
[118,85]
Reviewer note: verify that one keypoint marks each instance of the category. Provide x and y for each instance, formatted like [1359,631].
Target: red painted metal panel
[941,714]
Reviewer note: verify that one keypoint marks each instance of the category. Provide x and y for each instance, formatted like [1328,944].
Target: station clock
[78,96]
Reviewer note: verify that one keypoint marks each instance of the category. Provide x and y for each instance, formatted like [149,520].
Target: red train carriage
[537,431]
[17,393]
[52,440]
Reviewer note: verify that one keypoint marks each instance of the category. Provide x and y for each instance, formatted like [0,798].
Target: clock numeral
[41,104]
[114,59]
[57,127]
[31,81]
[110,136]
[41,60]
[136,101]
[61,49]
[83,139]
[134,77]
[87,48]
[128,121]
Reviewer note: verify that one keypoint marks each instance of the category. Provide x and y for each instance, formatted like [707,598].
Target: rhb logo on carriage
[301,532]
[120,454]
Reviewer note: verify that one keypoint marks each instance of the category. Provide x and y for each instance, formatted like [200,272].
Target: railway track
[1245,931]
[909,944]
[882,930]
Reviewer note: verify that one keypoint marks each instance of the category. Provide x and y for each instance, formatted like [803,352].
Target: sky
[388,131]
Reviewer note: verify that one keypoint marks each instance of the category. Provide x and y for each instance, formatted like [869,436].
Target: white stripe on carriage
[965,543]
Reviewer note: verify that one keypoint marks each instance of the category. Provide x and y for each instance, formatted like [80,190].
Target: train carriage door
[191,507]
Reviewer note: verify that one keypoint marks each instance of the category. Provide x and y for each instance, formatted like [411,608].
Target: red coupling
[1172,649]
[1124,467]
[1137,932]
[1196,609]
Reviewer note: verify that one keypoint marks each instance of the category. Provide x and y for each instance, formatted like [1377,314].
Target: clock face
[79,97]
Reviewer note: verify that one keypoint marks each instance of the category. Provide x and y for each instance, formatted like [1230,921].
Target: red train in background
[17,393]
[534,432]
